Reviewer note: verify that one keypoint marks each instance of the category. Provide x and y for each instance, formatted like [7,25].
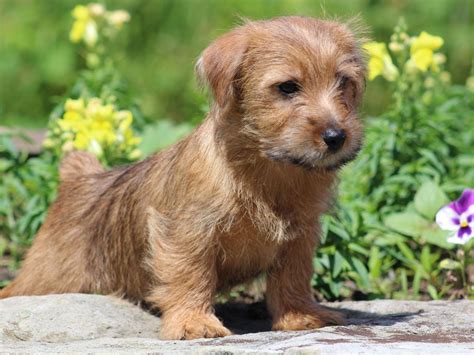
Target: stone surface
[33,146]
[91,323]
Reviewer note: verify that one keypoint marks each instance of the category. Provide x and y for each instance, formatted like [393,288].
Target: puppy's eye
[343,80]
[288,88]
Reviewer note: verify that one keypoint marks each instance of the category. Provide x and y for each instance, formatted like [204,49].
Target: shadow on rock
[242,318]
[354,317]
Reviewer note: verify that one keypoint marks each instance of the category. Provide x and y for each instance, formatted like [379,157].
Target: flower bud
[429,83]
[67,147]
[445,77]
[118,18]
[395,47]
[439,58]
[96,9]
[470,83]
[92,60]
[91,35]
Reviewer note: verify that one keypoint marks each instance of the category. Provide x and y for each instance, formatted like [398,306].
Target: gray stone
[34,144]
[92,323]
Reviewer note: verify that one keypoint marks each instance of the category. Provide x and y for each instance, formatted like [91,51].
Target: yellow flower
[77,31]
[99,112]
[74,105]
[93,106]
[125,118]
[426,41]
[84,28]
[82,16]
[71,121]
[422,58]
[81,141]
[81,13]
[92,20]
[421,50]
[380,62]
[95,127]
[103,132]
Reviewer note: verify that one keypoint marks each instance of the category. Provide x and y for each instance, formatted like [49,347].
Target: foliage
[161,134]
[382,239]
[93,121]
[156,51]
[96,115]
[28,187]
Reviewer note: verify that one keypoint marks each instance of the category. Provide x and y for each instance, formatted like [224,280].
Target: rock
[33,145]
[92,323]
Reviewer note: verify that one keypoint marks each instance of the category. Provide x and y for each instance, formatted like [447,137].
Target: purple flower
[458,217]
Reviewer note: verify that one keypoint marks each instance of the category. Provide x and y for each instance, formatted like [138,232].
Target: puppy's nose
[334,138]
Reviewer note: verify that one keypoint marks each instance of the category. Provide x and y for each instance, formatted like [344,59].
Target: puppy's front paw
[193,327]
[310,320]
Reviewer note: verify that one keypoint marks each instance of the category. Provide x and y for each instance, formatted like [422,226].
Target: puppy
[240,196]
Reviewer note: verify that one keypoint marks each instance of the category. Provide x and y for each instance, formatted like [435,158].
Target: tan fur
[240,196]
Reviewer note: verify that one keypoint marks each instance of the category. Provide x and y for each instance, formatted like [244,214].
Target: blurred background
[157,50]
[125,88]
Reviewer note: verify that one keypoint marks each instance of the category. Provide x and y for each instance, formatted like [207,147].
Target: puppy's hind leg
[57,260]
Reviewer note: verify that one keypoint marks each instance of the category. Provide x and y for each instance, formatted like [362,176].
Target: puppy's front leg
[289,295]
[184,296]
[185,281]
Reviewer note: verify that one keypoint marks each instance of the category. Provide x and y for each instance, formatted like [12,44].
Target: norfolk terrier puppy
[239,197]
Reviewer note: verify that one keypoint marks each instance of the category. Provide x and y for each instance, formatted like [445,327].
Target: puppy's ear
[219,65]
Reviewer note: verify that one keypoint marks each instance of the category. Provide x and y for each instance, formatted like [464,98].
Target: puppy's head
[294,84]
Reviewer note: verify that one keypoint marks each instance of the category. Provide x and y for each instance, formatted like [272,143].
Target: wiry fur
[240,196]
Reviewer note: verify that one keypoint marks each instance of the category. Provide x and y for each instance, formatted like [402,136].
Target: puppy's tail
[77,164]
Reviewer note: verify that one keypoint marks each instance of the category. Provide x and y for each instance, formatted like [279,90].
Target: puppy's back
[78,164]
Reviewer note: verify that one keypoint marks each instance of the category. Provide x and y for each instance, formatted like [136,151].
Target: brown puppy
[240,196]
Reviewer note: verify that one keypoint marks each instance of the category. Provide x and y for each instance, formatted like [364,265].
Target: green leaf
[449,264]
[407,252]
[358,249]
[338,262]
[340,232]
[362,272]
[432,292]
[404,282]
[162,134]
[429,199]
[431,157]
[425,258]
[410,224]
[335,288]
[375,262]
[417,282]
[432,234]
